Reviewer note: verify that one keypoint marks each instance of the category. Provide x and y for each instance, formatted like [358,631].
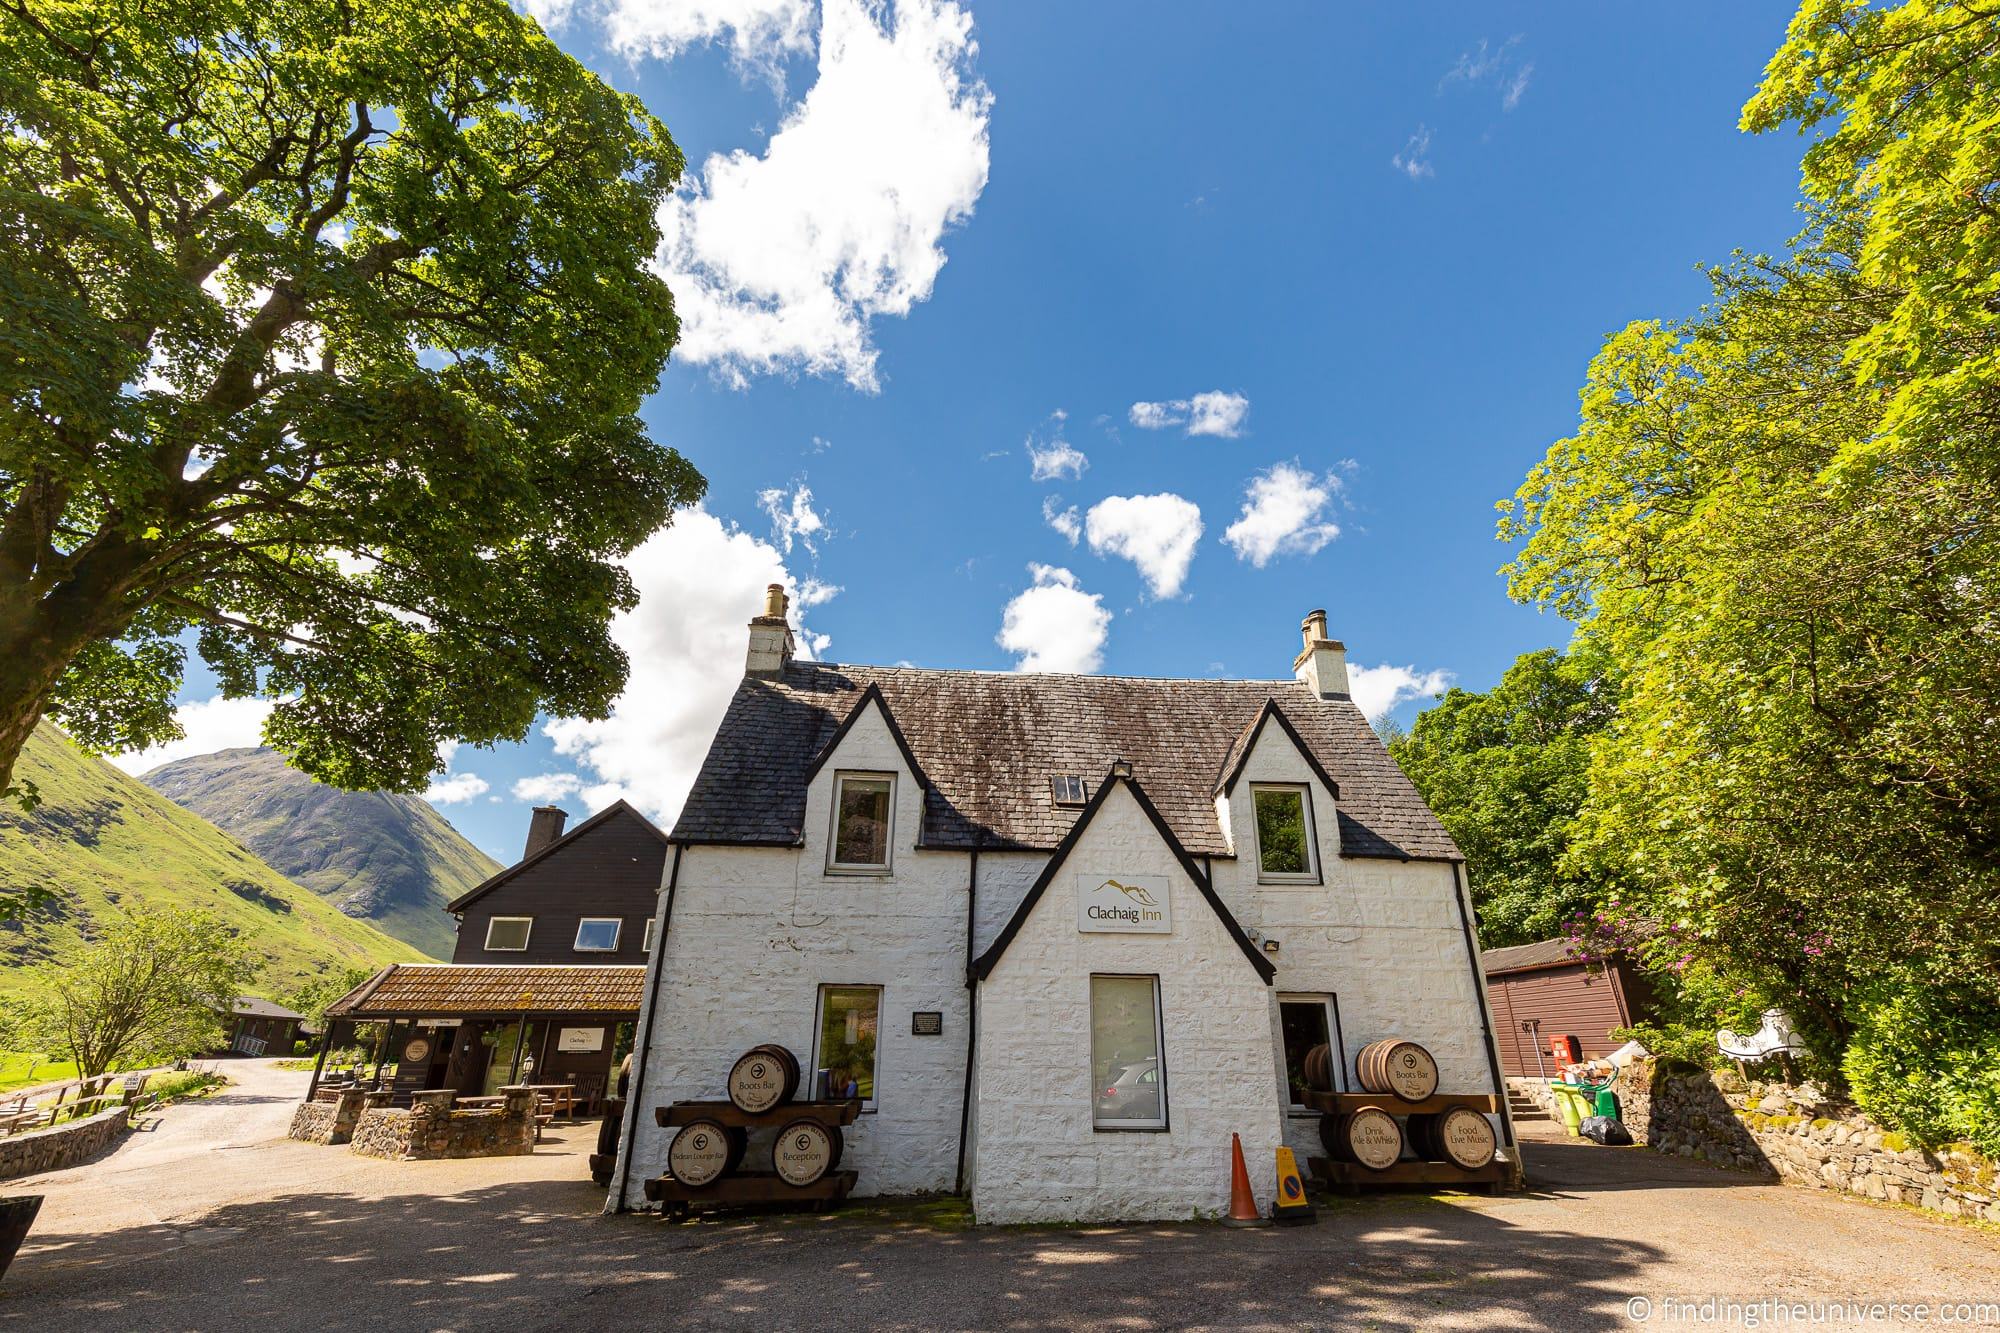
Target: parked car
[1133,1093]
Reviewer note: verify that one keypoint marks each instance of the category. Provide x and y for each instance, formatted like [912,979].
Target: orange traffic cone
[1242,1203]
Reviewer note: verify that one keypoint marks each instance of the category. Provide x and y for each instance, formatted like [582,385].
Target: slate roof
[448,990]
[252,1007]
[1519,957]
[616,808]
[989,741]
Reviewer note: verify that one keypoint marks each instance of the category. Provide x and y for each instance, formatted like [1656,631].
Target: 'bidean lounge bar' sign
[1130,904]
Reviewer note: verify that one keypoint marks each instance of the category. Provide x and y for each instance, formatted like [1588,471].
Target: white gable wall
[755,933]
[1039,1157]
[1383,937]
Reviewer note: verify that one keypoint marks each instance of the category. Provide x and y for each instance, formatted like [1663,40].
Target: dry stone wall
[430,1130]
[64,1145]
[1802,1136]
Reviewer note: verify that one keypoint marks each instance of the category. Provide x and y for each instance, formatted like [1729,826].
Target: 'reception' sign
[1124,904]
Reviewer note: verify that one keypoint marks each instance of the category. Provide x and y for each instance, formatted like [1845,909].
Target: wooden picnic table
[560,1097]
[477,1102]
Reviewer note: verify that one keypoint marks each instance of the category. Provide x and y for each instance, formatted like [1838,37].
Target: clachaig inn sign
[1133,904]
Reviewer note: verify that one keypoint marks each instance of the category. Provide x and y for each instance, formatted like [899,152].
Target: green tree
[151,986]
[311,998]
[1776,521]
[323,330]
[1507,773]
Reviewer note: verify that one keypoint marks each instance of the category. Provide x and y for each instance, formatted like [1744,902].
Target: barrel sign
[702,1153]
[1370,1137]
[1465,1137]
[1400,1068]
[804,1151]
[764,1077]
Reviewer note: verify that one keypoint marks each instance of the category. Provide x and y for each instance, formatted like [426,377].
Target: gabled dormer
[1277,805]
[865,795]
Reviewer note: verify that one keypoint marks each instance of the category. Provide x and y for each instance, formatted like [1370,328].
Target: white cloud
[1055,460]
[1378,689]
[1415,159]
[1155,532]
[1054,625]
[1284,514]
[1066,521]
[760,34]
[210,725]
[793,518]
[1213,413]
[457,789]
[1500,66]
[544,788]
[699,583]
[779,263]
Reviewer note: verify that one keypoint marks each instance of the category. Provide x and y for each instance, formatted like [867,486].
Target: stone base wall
[329,1121]
[1802,1136]
[64,1145]
[431,1130]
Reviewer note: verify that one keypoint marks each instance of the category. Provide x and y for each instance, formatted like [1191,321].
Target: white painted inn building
[1063,934]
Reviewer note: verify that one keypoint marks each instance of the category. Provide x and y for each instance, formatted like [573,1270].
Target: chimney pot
[1322,663]
[545,825]
[770,637]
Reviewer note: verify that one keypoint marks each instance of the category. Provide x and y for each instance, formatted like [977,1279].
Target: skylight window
[1068,789]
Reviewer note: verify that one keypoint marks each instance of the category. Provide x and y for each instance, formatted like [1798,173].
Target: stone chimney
[1322,663]
[545,825]
[770,636]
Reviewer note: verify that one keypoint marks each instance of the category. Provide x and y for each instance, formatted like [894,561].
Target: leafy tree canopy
[1507,772]
[323,330]
[152,986]
[1775,522]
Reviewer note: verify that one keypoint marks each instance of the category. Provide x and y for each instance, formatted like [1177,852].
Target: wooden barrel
[1369,1137]
[1318,1068]
[763,1077]
[704,1152]
[806,1150]
[1397,1067]
[1461,1136]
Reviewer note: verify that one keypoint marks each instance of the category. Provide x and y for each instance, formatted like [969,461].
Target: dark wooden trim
[971,1016]
[478,891]
[642,1035]
[1462,895]
[872,693]
[983,965]
[1271,710]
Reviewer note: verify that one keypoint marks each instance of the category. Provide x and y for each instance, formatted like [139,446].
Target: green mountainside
[386,859]
[103,841]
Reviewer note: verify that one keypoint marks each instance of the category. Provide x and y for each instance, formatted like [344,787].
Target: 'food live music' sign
[1132,904]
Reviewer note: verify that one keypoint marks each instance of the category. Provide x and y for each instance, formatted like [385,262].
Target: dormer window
[1284,834]
[1068,789]
[863,806]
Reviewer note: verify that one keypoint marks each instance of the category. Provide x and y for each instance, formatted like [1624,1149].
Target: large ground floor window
[1128,1076]
[850,1017]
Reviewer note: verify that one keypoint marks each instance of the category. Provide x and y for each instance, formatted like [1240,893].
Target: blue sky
[1353,259]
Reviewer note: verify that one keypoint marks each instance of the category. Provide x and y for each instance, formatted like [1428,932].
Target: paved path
[216,1224]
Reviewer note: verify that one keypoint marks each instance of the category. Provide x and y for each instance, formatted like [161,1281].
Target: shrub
[1926,1060]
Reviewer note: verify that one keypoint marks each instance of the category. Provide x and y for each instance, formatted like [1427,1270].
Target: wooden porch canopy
[484,990]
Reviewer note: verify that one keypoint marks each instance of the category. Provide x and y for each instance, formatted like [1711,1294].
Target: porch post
[325,1045]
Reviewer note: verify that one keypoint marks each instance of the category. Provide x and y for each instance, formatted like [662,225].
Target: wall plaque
[926,1023]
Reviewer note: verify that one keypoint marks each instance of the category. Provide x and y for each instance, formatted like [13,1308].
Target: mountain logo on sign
[1135,892]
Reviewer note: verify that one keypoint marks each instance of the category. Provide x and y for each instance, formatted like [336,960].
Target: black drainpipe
[971,1013]
[642,1038]
[1479,995]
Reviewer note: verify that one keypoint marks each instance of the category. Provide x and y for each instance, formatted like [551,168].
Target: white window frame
[868,1104]
[1162,1124]
[647,947]
[837,867]
[617,924]
[1311,873]
[1327,1000]
[526,935]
